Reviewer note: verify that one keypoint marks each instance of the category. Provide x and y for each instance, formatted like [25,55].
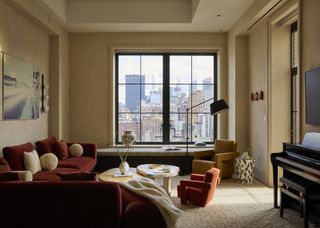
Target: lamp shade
[218,106]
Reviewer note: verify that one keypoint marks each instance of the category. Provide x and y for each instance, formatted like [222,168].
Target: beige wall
[26,32]
[39,13]
[265,67]
[280,99]
[258,73]
[242,92]
[310,54]
[91,74]
[23,39]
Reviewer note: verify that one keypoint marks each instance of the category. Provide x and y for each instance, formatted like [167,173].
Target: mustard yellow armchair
[221,157]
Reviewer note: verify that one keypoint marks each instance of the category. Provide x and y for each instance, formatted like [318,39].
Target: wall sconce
[44,98]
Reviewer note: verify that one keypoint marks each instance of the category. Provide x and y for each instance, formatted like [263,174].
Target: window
[153,92]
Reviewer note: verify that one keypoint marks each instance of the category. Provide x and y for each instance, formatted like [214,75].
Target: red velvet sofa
[85,163]
[80,204]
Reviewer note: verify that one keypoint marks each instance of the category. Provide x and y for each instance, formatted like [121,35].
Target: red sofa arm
[89,149]
[138,211]
[198,177]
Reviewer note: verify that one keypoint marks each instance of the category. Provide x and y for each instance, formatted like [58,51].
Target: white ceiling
[148,15]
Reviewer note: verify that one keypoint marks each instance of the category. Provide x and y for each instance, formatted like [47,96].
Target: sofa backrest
[14,155]
[212,176]
[46,145]
[61,204]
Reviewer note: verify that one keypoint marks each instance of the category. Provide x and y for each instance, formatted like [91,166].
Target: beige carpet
[236,205]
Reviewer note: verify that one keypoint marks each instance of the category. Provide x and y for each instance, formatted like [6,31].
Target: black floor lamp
[215,108]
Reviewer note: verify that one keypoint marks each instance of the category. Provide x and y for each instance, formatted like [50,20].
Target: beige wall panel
[21,38]
[242,92]
[280,87]
[92,78]
[258,109]
[310,57]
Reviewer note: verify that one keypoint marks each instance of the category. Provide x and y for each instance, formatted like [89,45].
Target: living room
[77,46]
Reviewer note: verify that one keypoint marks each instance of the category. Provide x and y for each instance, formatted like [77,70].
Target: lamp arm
[188,109]
[200,104]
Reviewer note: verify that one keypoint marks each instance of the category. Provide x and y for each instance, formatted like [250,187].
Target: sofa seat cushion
[84,164]
[77,176]
[10,176]
[51,175]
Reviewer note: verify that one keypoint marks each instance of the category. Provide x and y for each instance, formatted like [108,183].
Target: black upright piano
[301,160]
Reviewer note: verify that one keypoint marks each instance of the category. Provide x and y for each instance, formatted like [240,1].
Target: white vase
[124,167]
[128,138]
[245,156]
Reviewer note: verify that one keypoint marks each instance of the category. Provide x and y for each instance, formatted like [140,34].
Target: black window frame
[166,94]
[294,110]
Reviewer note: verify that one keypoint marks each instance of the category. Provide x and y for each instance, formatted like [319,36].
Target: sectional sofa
[81,204]
[84,163]
[48,201]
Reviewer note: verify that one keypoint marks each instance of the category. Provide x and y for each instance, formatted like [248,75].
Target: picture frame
[20,89]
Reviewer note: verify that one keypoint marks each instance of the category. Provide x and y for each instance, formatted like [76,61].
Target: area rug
[235,205]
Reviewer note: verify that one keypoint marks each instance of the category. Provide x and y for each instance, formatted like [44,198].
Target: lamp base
[186,169]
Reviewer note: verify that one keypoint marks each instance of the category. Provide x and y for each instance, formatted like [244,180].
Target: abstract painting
[21,87]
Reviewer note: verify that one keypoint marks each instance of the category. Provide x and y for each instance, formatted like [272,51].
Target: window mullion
[166,99]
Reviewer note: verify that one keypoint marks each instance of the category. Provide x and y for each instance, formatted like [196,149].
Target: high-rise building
[207,88]
[135,89]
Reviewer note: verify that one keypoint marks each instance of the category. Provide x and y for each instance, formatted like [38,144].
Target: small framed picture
[261,95]
[252,96]
[256,96]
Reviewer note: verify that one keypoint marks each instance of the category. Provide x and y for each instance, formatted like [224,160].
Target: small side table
[245,169]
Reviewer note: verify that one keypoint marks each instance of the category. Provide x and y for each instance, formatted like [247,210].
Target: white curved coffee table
[109,175]
[158,170]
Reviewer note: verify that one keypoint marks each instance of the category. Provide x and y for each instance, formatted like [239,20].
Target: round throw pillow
[75,150]
[48,161]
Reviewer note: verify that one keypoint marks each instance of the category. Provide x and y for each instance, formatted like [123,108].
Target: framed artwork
[21,87]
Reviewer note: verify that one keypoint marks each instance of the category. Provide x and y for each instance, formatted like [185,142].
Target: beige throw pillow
[49,161]
[31,161]
[25,175]
[75,150]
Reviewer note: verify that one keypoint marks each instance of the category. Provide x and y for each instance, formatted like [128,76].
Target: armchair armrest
[200,154]
[196,184]
[89,149]
[198,177]
[225,156]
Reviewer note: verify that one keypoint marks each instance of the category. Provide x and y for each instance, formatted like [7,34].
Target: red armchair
[200,189]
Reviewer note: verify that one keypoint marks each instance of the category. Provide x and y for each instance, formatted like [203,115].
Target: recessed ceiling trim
[147,15]
[135,11]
